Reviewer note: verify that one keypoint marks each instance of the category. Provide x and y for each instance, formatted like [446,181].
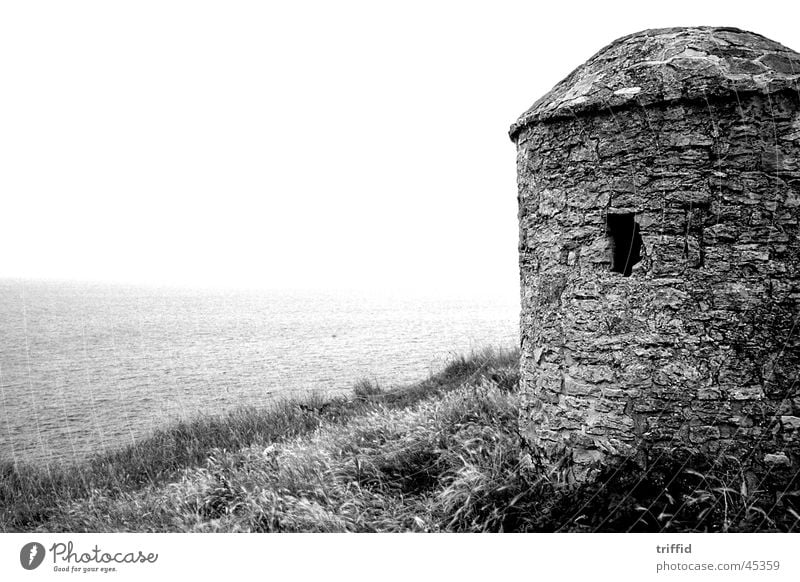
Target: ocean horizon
[90,367]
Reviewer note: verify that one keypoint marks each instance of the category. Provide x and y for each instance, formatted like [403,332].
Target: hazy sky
[296,144]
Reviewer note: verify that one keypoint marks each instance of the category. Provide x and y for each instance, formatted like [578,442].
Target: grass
[441,455]
[30,495]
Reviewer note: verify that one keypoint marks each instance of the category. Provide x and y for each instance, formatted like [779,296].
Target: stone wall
[698,347]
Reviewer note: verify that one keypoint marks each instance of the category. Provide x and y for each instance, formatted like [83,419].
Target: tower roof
[669,64]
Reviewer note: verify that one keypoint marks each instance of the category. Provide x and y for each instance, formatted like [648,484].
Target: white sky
[297,144]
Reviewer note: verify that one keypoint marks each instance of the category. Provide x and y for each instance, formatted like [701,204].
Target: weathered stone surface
[779,459]
[696,344]
[668,65]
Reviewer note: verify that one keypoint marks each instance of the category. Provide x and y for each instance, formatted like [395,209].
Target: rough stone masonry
[659,200]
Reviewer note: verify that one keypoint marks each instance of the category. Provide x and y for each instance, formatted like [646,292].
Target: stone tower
[659,200]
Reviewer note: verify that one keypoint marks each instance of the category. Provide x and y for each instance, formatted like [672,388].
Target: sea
[87,368]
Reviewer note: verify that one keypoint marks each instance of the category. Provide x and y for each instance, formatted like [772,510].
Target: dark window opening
[626,243]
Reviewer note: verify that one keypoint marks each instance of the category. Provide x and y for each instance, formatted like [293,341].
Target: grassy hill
[441,455]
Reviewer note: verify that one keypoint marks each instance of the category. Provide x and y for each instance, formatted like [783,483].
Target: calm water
[85,368]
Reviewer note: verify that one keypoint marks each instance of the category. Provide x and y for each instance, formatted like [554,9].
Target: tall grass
[442,455]
[29,495]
